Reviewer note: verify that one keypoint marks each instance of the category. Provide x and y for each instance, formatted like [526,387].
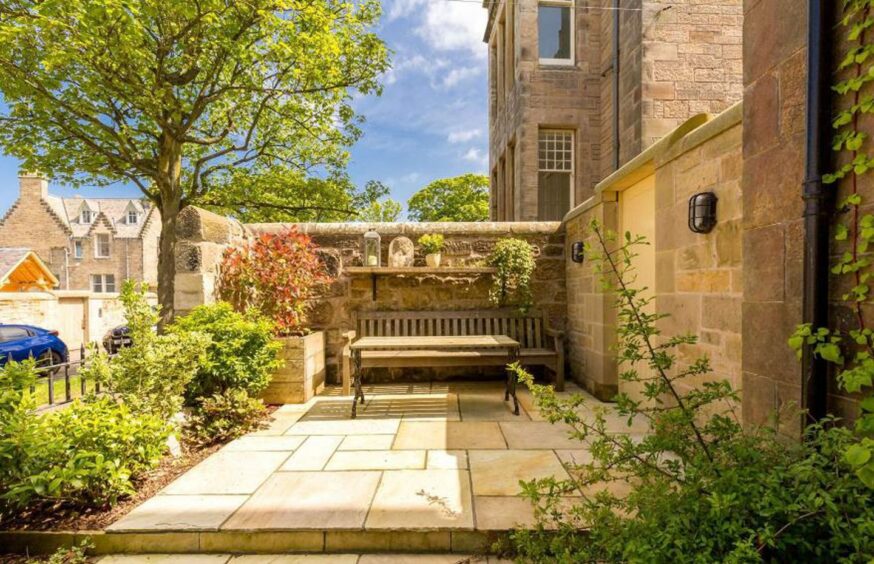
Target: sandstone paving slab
[422,499]
[502,513]
[295,559]
[447,460]
[279,423]
[180,513]
[313,454]
[367,442]
[228,472]
[416,407]
[498,473]
[308,500]
[165,559]
[265,443]
[344,427]
[377,460]
[538,435]
[449,435]
[574,456]
[488,407]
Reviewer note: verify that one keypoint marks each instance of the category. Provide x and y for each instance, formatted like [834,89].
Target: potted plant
[277,274]
[432,245]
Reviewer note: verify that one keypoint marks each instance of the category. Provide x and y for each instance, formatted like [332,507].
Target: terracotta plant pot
[303,374]
[433,260]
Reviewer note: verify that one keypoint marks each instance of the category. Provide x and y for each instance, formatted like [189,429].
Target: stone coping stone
[36,543]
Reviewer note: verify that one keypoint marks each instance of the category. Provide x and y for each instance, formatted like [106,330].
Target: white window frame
[86,213]
[78,249]
[100,283]
[573,163]
[573,34]
[97,253]
[132,217]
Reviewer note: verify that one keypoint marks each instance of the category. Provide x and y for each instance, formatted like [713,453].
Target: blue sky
[431,120]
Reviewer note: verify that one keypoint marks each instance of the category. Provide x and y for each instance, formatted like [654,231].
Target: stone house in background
[569,104]
[88,243]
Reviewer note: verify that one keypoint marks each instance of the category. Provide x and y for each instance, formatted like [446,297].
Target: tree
[461,198]
[381,211]
[183,98]
[289,197]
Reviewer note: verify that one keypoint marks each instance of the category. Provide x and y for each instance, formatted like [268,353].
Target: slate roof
[10,257]
[112,210]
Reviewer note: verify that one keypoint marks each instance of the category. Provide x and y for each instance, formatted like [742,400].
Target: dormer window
[87,216]
[131,216]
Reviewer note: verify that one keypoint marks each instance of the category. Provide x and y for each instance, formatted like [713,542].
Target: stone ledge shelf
[375,271]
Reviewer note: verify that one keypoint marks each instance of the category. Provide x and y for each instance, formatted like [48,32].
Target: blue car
[20,342]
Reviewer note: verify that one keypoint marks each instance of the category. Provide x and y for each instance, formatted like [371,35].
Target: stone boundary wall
[698,278]
[203,236]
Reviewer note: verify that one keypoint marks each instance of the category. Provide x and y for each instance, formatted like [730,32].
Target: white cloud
[453,26]
[463,135]
[460,74]
[477,156]
[403,8]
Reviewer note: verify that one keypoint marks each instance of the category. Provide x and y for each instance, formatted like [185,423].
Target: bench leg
[356,375]
[510,388]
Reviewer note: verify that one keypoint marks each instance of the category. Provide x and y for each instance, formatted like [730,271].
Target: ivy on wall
[851,347]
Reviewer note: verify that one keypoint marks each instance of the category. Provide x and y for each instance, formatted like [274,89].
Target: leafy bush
[431,243]
[86,454]
[226,416]
[241,354]
[277,274]
[151,375]
[514,260]
[700,487]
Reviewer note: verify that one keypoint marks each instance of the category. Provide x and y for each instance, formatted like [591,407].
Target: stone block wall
[773,232]
[204,236]
[698,278]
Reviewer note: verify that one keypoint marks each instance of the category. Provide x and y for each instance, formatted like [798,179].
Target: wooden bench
[539,344]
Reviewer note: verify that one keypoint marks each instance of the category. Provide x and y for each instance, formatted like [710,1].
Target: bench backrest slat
[529,329]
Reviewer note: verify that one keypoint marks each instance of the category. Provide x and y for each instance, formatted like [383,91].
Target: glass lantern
[370,251]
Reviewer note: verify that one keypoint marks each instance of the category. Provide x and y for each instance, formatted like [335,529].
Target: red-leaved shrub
[277,274]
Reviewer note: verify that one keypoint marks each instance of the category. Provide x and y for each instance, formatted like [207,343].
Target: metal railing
[75,384]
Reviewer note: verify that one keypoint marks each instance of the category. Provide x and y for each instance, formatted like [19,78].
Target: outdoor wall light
[702,212]
[370,249]
[577,252]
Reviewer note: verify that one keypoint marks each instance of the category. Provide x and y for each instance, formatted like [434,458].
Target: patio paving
[425,458]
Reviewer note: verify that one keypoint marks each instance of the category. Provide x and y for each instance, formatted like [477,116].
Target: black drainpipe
[814,385]
[616,85]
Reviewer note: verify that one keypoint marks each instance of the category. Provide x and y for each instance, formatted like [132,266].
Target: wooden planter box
[303,374]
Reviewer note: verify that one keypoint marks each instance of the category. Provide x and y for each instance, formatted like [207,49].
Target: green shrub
[225,416]
[700,487]
[86,454]
[241,354]
[151,375]
[431,243]
[514,261]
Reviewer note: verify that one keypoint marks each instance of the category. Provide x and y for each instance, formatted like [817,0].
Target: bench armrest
[554,333]
[348,335]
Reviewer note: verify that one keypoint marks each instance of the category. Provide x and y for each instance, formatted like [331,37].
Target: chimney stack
[32,185]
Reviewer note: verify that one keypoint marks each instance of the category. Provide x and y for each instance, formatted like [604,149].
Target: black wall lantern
[702,212]
[577,252]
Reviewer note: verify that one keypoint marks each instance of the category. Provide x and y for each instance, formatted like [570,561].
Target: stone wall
[773,230]
[697,277]
[203,236]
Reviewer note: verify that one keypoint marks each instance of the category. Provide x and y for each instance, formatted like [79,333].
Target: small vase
[433,260]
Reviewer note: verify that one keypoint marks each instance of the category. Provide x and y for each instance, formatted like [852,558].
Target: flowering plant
[277,274]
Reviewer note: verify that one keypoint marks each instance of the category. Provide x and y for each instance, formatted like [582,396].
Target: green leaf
[857,455]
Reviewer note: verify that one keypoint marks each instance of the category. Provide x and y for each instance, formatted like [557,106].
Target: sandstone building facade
[88,243]
[556,75]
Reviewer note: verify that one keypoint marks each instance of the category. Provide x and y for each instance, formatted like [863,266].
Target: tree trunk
[169,185]
[167,262]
